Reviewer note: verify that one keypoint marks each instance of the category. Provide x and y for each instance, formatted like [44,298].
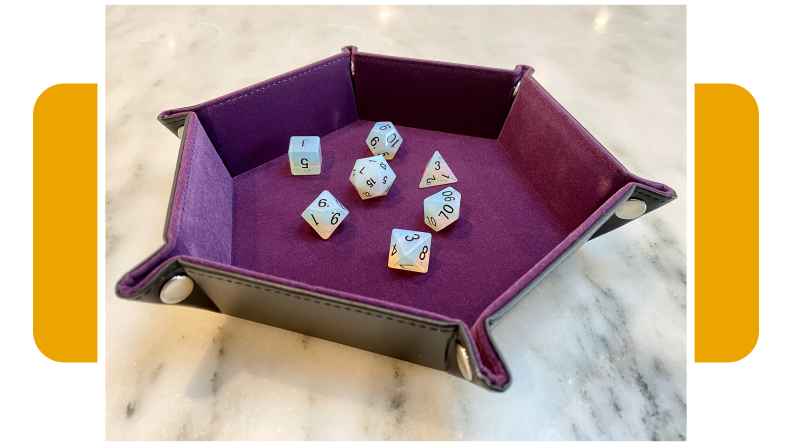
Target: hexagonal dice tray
[535,186]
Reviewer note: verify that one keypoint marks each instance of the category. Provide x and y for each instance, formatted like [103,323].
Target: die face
[437,172]
[372,177]
[370,186]
[325,214]
[442,208]
[305,155]
[310,143]
[384,140]
[410,250]
[305,163]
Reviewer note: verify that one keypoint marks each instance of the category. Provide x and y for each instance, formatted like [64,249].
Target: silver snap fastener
[463,361]
[631,209]
[180,132]
[176,289]
[516,87]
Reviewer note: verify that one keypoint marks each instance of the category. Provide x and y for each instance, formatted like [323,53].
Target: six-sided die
[305,155]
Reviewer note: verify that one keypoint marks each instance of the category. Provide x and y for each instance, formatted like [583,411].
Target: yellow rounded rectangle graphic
[64,223]
[727,233]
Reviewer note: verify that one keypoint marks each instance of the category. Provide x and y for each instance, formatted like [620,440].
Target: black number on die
[407,237]
[448,209]
[374,141]
[323,203]
[393,253]
[334,220]
[424,251]
[304,163]
[437,165]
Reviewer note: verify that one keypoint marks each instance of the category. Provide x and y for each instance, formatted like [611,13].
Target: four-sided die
[372,177]
[409,250]
[305,155]
[437,172]
[325,214]
[442,208]
[384,140]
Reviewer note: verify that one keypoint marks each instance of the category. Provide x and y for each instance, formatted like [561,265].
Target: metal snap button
[463,361]
[176,289]
[631,209]
[180,132]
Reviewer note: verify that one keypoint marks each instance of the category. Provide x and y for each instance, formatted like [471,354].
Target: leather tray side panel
[431,95]
[414,340]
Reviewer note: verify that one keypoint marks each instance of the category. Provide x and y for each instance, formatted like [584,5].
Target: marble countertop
[597,351]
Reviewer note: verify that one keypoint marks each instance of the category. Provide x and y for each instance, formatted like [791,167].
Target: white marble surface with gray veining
[597,351]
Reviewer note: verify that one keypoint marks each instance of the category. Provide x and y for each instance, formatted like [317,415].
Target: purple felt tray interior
[532,181]
[503,230]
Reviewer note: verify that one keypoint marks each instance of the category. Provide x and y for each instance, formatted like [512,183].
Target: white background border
[745,43]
